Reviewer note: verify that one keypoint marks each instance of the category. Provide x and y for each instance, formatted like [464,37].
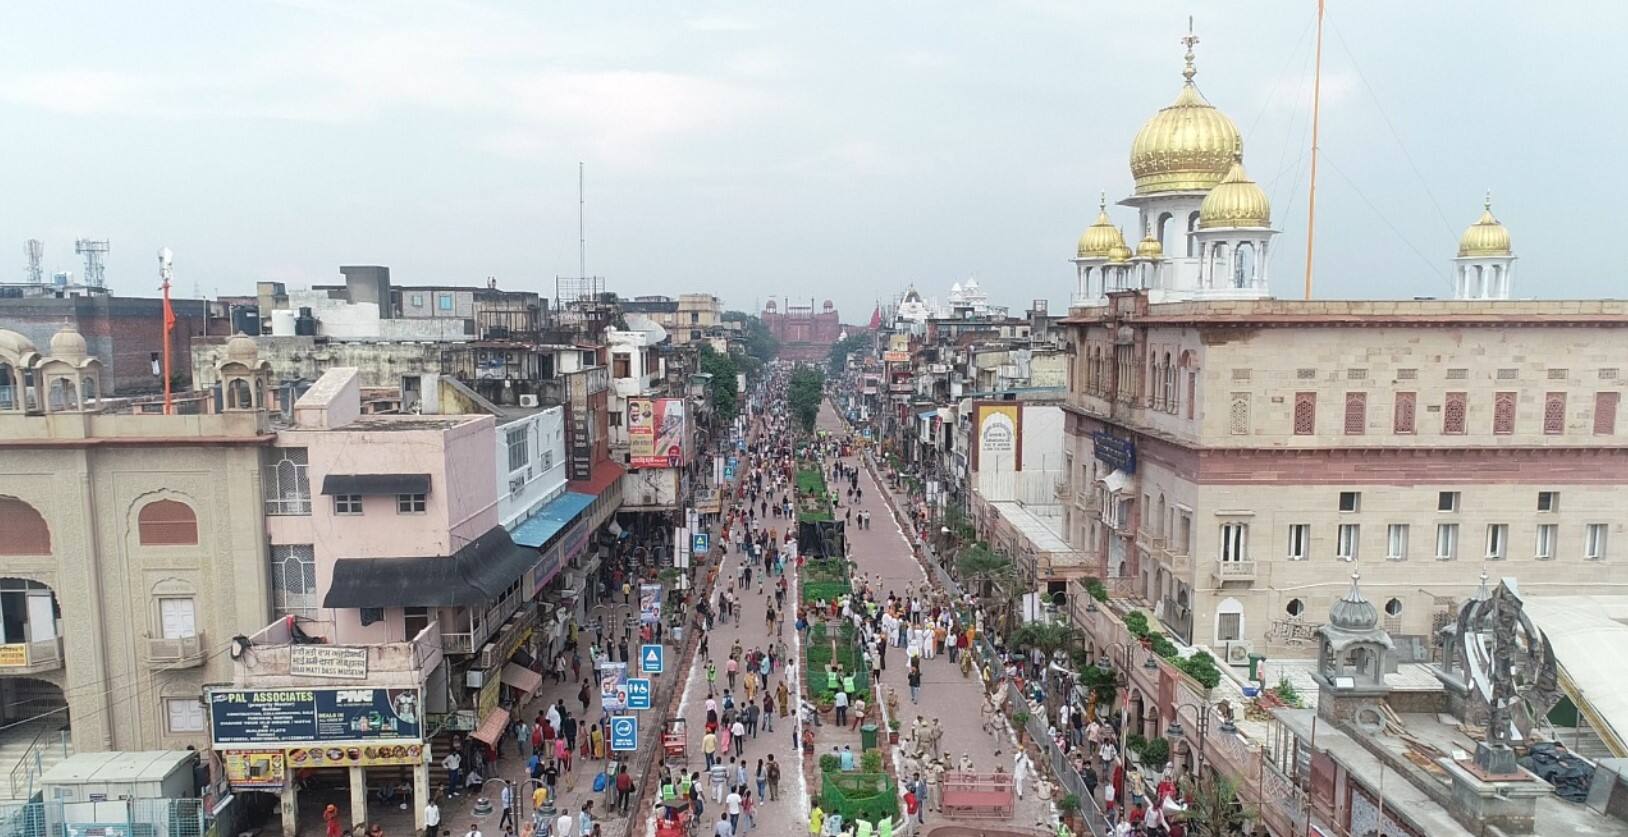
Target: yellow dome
[1486,237]
[1120,253]
[1185,147]
[1101,237]
[1236,201]
[1150,248]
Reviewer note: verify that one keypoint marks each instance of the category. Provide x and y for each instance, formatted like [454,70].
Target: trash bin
[867,737]
[1255,661]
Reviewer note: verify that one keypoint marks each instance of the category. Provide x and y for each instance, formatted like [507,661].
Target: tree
[760,342]
[983,565]
[806,391]
[1214,808]
[1047,637]
[722,390]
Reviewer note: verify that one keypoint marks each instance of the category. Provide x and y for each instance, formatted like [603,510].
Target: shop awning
[375,485]
[522,678]
[491,728]
[1116,481]
[603,475]
[550,519]
[477,573]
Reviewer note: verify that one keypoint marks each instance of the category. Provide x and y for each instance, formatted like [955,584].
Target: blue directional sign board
[624,733]
[701,543]
[729,472]
[652,659]
[638,693]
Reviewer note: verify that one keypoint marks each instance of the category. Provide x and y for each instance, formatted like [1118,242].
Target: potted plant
[893,731]
[1069,807]
[870,761]
[830,763]
[1020,719]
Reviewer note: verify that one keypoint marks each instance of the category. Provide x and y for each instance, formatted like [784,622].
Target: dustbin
[1255,661]
[867,737]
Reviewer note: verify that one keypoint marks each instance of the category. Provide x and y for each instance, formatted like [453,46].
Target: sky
[841,150]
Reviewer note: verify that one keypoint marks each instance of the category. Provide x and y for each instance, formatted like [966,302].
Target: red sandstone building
[803,334]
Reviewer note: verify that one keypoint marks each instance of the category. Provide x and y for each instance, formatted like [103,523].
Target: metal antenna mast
[34,249]
[582,237]
[93,251]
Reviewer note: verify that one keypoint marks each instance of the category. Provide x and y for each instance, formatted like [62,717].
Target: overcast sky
[835,149]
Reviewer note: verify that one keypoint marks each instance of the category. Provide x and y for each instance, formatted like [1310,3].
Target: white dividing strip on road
[795,688]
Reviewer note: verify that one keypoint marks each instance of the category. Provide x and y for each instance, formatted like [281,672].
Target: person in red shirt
[911,803]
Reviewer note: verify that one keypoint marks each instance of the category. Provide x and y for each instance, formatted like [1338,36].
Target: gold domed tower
[1101,237]
[1179,156]
[1233,235]
[1101,259]
[1485,264]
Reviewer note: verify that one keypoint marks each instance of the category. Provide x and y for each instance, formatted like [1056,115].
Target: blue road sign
[729,472]
[624,733]
[652,659]
[701,543]
[638,693]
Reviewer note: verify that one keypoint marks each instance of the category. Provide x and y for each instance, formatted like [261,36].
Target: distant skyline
[843,150]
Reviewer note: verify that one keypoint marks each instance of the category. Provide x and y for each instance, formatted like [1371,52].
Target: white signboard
[337,661]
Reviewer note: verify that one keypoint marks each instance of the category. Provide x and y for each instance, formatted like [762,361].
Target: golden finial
[1189,41]
[1487,203]
[1102,200]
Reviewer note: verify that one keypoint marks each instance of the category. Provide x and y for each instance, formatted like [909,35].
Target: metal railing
[135,817]
[32,765]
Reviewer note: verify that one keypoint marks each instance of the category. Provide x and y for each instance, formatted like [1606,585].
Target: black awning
[477,573]
[374,485]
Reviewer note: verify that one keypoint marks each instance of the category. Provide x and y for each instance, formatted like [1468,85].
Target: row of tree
[806,391]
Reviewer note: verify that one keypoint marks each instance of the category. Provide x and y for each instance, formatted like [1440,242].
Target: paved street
[945,694]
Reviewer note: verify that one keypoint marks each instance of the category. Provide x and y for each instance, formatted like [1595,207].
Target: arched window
[238,395]
[8,387]
[64,395]
[87,388]
[1192,226]
[22,529]
[1243,266]
[1169,384]
[167,523]
[1161,230]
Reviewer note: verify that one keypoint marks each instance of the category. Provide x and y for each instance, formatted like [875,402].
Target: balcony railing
[1178,562]
[31,657]
[470,641]
[177,652]
[1086,500]
[1234,571]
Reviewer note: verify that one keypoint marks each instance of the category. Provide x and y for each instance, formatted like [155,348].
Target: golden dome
[1185,147]
[1120,253]
[1236,201]
[1101,237]
[1486,237]
[1150,248]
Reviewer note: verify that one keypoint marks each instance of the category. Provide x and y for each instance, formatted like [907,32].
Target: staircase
[28,751]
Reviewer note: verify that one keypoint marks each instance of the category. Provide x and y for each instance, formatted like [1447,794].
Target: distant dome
[912,296]
[68,344]
[828,305]
[770,306]
[1352,612]
[14,343]
[1486,237]
[242,349]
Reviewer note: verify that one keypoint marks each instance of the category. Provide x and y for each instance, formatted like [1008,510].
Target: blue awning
[550,519]
[928,414]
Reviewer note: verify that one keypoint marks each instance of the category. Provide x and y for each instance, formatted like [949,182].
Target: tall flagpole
[1316,114]
[166,272]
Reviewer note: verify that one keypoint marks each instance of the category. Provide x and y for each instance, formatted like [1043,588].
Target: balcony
[282,659]
[1178,562]
[179,652]
[35,657]
[476,627]
[1150,542]
[1225,571]
[1087,500]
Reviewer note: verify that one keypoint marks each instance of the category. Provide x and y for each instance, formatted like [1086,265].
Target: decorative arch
[63,395]
[1243,265]
[23,530]
[1192,227]
[239,395]
[167,523]
[1161,230]
[10,387]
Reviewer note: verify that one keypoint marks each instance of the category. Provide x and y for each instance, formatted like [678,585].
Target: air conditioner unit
[474,678]
[528,400]
[1238,652]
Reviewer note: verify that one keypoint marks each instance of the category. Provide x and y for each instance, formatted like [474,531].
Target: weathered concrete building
[125,333]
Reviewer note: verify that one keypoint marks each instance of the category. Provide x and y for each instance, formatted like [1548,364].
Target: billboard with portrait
[657,430]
